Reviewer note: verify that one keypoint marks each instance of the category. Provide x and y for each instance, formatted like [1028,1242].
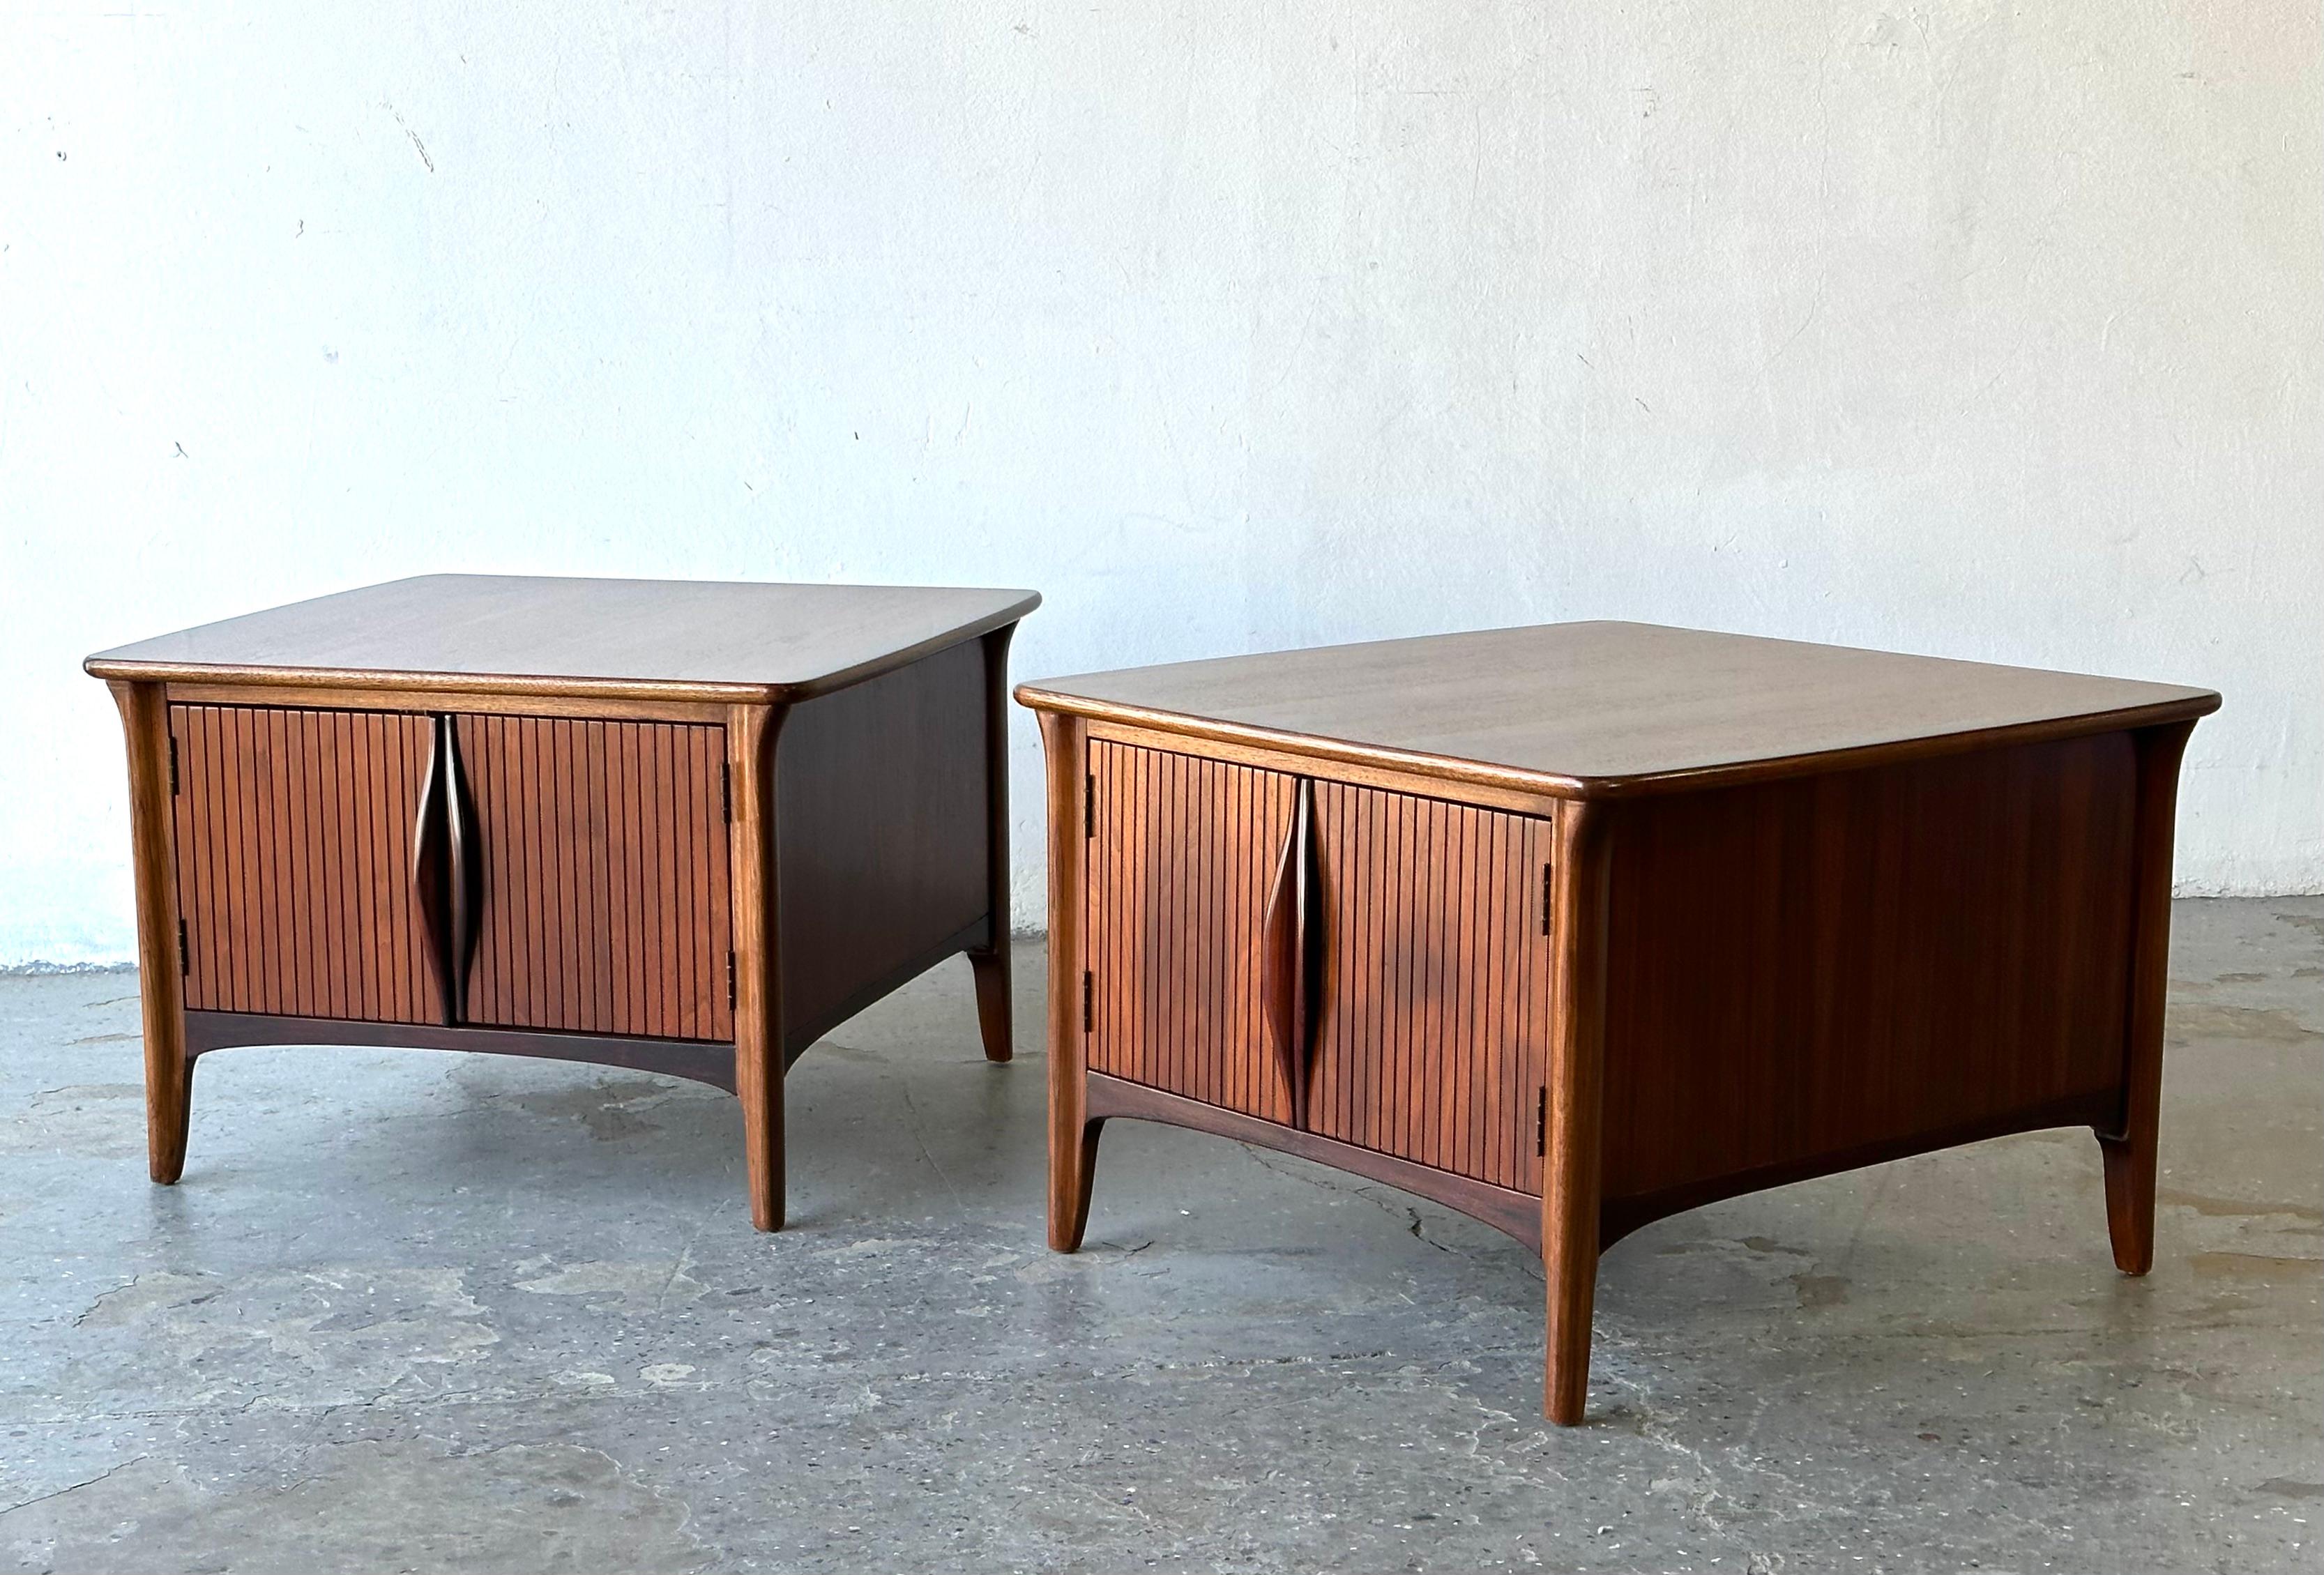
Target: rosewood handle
[432,871]
[1290,965]
[447,870]
[466,851]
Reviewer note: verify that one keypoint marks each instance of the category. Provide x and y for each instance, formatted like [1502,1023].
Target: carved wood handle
[1291,956]
[467,850]
[431,871]
[448,869]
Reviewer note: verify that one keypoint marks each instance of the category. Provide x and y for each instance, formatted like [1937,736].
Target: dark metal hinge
[185,953]
[726,792]
[173,765]
[1089,1000]
[1545,898]
[1541,1121]
[730,981]
[1089,806]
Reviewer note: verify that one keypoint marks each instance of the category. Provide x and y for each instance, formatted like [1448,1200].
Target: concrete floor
[420,1311]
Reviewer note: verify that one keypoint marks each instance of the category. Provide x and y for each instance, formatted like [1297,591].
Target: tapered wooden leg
[169,1104]
[1572,1179]
[160,982]
[993,1014]
[1072,1137]
[762,1145]
[2129,1150]
[1572,1275]
[751,732]
[2130,1200]
[1069,1188]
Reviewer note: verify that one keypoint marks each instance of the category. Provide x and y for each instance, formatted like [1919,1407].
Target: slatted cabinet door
[1182,854]
[1421,1023]
[603,876]
[294,850]
[1431,1024]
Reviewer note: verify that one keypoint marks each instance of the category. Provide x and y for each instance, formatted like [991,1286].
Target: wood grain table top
[1602,709]
[724,640]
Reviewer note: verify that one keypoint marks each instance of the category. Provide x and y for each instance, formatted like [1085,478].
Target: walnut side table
[684,827]
[1573,928]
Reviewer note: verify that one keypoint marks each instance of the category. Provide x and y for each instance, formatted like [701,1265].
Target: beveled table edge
[1454,769]
[423,682]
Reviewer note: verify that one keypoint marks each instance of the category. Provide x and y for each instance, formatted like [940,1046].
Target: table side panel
[605,876]
[881,832]
[1863,960]
[1434,1019]
[294,836]
[1179,867]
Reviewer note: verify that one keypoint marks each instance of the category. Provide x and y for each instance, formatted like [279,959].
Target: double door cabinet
[682,827]
[1573,927]
[1368,967]
[557,874]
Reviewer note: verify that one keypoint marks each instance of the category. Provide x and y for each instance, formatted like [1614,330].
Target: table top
[1599,710]
[726,640]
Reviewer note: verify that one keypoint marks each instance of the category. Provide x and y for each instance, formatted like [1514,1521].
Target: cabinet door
[294,848]
[1181,863]
[1430,1027]
[599,875]
[1365,965]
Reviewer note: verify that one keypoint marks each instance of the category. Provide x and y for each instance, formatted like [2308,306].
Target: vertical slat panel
[196,872]
[530,907]
[208,783]
[685,831]
[262,906]
[622,938]
[1179,872]
[1425,1046]
[334,897]
[606,886]
[722,896]
[293,849]
[668,776]
[559,834]
[382,870]
[597,820]
[294,943]
[359,798]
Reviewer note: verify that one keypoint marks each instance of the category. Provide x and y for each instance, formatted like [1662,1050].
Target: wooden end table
[684,827]
[1575,926]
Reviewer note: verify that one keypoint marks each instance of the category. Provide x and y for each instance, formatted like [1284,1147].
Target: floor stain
[632,1284]
[2235,1208]
[1821,1290]
[835,1051]
[2252,1266]
[2197,1021]
[607,1108]
[2288,1488]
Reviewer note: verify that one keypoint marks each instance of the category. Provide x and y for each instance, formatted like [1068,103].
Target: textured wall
[1980,330]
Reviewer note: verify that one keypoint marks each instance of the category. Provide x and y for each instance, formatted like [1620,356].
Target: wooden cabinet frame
[525,816]
[1753,972]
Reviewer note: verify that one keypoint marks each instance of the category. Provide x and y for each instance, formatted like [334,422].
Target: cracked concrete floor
[411,1311]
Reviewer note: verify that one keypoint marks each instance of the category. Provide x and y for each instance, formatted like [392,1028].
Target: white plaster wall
[1963,328]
